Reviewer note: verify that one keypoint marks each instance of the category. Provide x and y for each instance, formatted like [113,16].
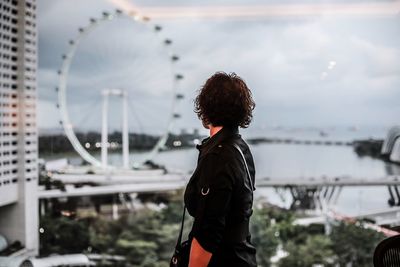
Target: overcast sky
[313,72]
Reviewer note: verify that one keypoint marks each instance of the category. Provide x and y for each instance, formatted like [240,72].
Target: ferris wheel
[146,71]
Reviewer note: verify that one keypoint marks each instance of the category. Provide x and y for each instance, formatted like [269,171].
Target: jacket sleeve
[215,186]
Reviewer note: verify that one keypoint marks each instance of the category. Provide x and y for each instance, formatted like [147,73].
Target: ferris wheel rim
[62,90]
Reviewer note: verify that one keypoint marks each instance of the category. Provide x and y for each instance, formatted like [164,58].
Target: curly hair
[225,100]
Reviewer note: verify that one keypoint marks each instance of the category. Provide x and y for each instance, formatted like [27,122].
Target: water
[279,160]
[287,160]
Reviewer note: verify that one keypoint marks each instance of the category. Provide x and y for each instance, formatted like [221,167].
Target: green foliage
[137,252]
[63,235]
[103,233]
[298,234]
[264,236]
[147,238]
[352,243]
[315,250]
[347,243]
[172,213]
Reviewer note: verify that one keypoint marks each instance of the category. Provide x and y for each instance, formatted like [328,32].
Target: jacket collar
[208,143]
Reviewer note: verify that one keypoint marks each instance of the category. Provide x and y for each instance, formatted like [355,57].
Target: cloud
[282,61]
[383,61]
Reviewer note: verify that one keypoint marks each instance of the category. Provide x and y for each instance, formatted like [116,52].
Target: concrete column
[125,134]
[104,132]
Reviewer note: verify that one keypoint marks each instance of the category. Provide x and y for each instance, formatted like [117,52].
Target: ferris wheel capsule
[179,76]
[175,58]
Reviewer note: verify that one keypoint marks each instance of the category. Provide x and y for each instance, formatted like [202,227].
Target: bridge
[310,192]
[307,192]
[71,191]
[112,184]
[293,141]
[323,181]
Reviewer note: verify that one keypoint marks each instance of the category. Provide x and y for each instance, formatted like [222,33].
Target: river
[289,160]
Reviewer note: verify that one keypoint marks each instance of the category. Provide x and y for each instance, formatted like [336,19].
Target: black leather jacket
[219,196]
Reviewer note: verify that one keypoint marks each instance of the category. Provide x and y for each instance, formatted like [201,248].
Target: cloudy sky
[314,71]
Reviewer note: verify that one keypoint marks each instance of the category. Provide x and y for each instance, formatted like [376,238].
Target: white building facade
[18,129]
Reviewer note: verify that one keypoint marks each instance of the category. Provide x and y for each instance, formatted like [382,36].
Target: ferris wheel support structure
[106,93]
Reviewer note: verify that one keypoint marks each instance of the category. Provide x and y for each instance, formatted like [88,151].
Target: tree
[315,250]
[264,235]
[137,251]
[354,244]
[63,235]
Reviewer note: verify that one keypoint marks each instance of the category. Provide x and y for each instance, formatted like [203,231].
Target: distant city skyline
[320,71]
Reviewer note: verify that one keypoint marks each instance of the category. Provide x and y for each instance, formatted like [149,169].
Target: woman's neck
[214,129]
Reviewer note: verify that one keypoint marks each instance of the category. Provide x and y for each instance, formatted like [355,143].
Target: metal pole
[104,132]
[125,134]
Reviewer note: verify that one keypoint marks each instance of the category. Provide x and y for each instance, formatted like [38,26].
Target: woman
[219,194]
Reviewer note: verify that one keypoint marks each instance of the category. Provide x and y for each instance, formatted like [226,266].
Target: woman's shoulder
[226,154]
[222,153]
[229,150]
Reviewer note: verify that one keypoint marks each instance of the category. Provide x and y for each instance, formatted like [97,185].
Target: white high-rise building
[18,129]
